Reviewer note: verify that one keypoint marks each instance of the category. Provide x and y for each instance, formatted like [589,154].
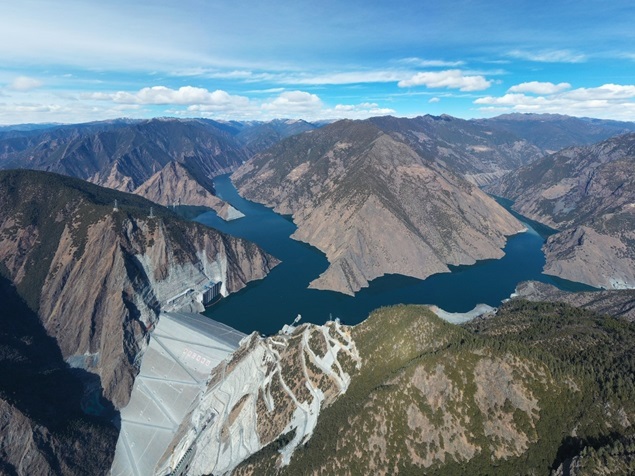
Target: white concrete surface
[183,349]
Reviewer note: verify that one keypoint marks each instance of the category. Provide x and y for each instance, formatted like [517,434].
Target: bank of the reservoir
[266,305]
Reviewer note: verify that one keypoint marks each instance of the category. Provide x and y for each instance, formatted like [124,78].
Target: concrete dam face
[183,349]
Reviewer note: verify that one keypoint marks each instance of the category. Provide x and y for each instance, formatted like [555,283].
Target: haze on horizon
[84,60]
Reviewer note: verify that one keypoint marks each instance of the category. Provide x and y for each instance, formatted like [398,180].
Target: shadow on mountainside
[67,418]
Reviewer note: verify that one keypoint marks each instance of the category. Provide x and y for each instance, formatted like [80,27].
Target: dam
[175,366]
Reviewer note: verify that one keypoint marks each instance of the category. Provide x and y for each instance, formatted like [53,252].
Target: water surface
[266,305]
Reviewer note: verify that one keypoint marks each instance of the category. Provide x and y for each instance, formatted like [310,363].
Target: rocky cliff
[588,193]
[374,205]
[98,278]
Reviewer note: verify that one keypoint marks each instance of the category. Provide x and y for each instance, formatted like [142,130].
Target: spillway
[182,351]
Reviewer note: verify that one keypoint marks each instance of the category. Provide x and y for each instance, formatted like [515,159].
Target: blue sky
[83,60]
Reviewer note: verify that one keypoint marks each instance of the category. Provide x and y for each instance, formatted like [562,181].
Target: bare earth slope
[589,194]
[374,206]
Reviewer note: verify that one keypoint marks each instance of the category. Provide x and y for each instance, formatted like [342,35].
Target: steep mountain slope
[420,395]
[43,428]
[97,278]
[175,185]
[475,150]
[127,155]
[373,205]
[589,194]
[553,132]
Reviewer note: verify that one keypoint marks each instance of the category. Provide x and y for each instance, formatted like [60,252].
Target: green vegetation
[520,393]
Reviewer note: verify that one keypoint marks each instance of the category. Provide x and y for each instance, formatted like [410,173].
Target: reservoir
[266,305]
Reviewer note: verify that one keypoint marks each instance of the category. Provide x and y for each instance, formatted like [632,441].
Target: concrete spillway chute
[183,349]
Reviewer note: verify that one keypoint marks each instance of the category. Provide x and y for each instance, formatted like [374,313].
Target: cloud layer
[92,60]
[614,101]
[452,79]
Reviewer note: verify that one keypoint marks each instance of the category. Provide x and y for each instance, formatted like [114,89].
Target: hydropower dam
[175,367]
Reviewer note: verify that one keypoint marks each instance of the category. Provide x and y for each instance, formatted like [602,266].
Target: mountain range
[534,388]
[374,205]
[587,194]
[158,158]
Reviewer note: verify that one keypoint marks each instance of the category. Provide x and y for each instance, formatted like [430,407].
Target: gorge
[267,305]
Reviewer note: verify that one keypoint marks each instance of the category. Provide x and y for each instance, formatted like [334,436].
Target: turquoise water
[266,305]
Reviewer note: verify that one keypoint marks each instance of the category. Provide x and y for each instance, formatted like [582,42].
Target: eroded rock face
[588,193]
[374,205]
[270,387]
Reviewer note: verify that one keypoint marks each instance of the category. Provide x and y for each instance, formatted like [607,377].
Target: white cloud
[432,63]
[452,78]
[161,95]
[61,112]
[294,102]
[549,56]
[351,77]
[24,83]
[611,101]
[219,104]
[357,111]
[435,99]
[536,87]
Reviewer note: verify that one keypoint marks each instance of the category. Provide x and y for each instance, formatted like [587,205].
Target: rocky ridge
[374,205]
[588,193]
[175,185]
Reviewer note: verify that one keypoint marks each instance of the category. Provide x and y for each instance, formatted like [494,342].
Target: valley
[317,238]
[259,306]
[351,264]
